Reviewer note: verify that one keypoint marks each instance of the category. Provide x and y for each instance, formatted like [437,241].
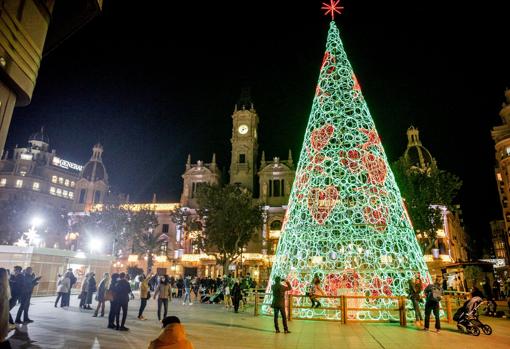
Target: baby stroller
[467,318]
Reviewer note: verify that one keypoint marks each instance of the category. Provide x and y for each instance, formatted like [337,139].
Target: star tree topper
[331,8]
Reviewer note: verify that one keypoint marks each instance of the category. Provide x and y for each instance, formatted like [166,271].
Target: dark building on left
[25,37]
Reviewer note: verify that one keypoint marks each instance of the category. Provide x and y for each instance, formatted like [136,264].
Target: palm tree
[150,243]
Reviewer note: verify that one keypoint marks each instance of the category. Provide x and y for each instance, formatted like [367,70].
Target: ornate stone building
[452,242]
[501,136]
[194,176]
[273,186]
[92,186]
[37,174]
[39,178]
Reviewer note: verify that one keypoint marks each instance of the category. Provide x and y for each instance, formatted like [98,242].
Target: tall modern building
[501,136]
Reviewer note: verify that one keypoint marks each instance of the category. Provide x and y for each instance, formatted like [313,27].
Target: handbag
[108,296]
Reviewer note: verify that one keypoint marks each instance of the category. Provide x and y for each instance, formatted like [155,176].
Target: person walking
[433,295]
[145,294]
[104,285]
[16,282]
[5,296]
[278,303]
[187,291]
[29,282]
[91,289]
[236,295]
[315,292]
[112,296]
[415,288]
[84,290]
[73,282]
[122,294]
[164,293]
[63,285]
[172,336]
[226,295]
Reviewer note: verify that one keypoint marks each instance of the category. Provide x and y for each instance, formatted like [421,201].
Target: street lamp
[95,245]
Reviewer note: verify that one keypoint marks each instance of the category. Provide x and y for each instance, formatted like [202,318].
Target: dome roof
[94,171]
[416,155]
[39,136]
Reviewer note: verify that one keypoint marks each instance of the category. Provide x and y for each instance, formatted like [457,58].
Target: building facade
[24,27]
[499,240]
[271,183]
[37,174]
[38,180]
[501,136]
[451,245]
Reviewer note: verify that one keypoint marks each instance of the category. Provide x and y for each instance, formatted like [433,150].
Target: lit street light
[95,245]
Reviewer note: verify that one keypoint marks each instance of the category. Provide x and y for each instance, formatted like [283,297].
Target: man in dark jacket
[278,304]
[29,282]
[122,292]
[73,282]
[433,293]
[16,282]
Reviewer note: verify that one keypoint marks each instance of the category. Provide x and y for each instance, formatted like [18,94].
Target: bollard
[343,306]
[256,308]
[402,311]
[449,315]
[289,313]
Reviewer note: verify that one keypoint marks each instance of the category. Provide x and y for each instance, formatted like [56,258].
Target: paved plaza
[211,326]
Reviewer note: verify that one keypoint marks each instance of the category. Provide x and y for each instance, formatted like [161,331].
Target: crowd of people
[16,289]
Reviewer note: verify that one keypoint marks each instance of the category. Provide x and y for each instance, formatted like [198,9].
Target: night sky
[153,84]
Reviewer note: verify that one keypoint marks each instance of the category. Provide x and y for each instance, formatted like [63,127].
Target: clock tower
[244,142]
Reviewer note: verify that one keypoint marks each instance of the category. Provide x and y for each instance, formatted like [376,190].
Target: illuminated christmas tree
[346,221]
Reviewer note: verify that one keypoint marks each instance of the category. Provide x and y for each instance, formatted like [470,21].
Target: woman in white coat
[63,286]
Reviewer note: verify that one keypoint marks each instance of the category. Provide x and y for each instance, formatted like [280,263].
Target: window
[3,182]
[23,173]
[270,188]
[97,197]
[60,180]
[276,187]
[64,193]
[59,192]
[283,187]
[82,196]
[54,179]
[242,158]
[52,191]
[72,184]
[19,183]
[66,182]
[165,228]
[71,195]
[194,188]
[36,186]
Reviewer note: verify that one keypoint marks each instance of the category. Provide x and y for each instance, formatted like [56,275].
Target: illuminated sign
[66,164]
[26,157]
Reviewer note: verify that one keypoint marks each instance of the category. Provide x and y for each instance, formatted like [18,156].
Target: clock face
[243,129]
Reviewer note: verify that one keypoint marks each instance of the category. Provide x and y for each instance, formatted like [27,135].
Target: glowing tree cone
[346,221]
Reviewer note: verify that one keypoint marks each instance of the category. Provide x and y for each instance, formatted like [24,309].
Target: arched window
[82,196]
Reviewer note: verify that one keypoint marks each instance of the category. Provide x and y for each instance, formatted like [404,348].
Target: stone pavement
[211,326]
